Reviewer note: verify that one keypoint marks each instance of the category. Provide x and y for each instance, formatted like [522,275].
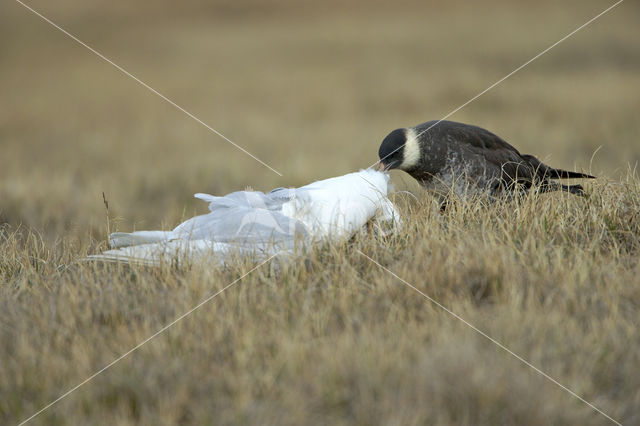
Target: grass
[330,337]
[327,337]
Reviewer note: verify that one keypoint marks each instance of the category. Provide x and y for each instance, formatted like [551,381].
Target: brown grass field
[311,88]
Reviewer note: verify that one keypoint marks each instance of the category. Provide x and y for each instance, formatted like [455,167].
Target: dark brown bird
[447,156]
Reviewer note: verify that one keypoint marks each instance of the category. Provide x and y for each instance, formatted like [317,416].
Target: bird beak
[380,167]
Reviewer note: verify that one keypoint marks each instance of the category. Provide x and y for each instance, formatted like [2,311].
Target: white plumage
[259,224]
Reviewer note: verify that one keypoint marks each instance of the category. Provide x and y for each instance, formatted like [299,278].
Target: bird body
[261,224]
[447,157]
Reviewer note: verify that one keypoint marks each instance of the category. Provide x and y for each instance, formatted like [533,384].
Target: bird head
[399,150]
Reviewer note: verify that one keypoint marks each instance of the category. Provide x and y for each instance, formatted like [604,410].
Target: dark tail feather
[565,174]
[548,172]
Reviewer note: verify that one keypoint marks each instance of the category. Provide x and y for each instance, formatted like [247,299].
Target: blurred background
[311,88]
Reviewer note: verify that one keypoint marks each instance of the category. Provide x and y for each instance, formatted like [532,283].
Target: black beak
[381,166]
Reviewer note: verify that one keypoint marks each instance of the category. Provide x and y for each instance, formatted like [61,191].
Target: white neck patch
[411,151]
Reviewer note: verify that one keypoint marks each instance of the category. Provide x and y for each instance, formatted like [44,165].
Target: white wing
[125,239]
[174,251]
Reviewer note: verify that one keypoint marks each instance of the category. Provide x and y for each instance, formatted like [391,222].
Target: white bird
[257,224]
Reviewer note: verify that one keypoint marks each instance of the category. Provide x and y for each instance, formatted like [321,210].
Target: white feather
[125,239]
[255,223]
[411,151]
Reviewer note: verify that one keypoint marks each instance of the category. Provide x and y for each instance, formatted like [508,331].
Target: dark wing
[492,148]
[521,169]
[516,167]
[495,150]
[472,136]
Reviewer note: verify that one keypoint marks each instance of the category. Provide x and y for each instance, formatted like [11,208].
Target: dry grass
[328,338]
